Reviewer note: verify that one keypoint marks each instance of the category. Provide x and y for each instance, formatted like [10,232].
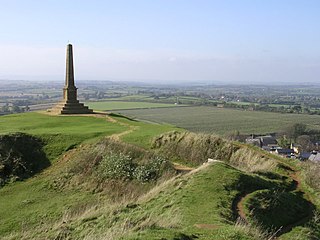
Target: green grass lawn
[60,133]
[223,120]
[38,123]
[111,105]
[143,133]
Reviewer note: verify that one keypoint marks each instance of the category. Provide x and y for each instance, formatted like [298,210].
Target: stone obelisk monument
[70,104]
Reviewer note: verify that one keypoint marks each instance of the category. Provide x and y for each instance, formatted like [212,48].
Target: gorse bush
[151,170]
[121,166]
[117,166]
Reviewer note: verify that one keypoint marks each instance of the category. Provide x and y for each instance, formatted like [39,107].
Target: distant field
[111,105]
[223,120]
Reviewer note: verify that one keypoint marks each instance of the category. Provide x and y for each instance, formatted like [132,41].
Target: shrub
[118,166]
[151,170]
[121,166]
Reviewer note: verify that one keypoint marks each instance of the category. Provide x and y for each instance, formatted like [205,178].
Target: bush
[151,170]
[121,166]
[117,166]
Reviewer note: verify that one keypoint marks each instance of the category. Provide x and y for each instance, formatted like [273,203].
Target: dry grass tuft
[197,148]
[311,174]
[256,232]
[251,161]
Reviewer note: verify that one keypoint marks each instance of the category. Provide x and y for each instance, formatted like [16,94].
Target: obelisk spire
[70,104]
[69,67]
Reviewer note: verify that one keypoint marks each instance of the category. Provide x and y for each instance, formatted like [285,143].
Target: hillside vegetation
[111,177]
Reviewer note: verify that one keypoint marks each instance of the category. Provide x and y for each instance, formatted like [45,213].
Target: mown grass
[111,105]
[38,123]
[143,133]
[60,133]
[223,120]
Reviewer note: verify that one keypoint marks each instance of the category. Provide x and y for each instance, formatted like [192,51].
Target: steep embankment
[278,206]
[21,156]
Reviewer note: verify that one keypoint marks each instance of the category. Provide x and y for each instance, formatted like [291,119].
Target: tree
[284,142]
[296,130]
[15,109]
[305,142]
[5,108]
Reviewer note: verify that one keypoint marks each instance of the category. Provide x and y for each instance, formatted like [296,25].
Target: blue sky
[242,41]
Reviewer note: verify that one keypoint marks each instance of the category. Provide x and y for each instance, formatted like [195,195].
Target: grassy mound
[274,209]
[21,156]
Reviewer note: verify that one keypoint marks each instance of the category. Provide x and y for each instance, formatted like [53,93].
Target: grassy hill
[115,178]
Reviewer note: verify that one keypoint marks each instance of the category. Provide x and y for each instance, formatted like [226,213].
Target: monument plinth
[70,104]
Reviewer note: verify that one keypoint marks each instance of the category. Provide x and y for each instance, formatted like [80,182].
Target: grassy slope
[220,120]
[198,199]
[23,204]
[174,209]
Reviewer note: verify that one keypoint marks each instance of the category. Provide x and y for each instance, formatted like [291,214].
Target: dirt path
[240,208]
[181,168]
[117,136]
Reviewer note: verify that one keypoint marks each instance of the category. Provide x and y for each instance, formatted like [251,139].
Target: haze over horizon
[162,40]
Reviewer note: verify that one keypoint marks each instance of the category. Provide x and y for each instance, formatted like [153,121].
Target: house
[271,148]
[315,156]
[268,140]
[285,152]
[304,156]
[253,141]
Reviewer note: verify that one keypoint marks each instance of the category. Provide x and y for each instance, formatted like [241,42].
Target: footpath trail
[182,168]
[118,136]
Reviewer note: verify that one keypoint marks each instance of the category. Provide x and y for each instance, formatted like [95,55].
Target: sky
[169,41]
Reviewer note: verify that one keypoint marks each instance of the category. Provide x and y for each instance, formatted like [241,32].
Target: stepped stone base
[71,107]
